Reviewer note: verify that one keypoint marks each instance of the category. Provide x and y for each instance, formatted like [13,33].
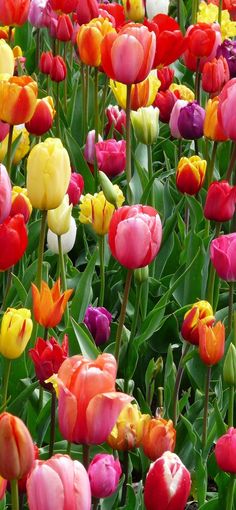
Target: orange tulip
[49,304]
[201,311]
[211,343]
[16,448]
[18,96]
[142,94]
[212,128]
[159,436]
[89,40]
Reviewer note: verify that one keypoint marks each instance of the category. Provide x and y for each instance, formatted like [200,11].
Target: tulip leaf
[20,289]
[87,346]
[213,504]
[82,296]
[78,161]
[16,405]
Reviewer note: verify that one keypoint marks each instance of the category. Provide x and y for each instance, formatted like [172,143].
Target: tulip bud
[5,193]
[98,320]
[104,473]
[86,10]
[229,368]
[116,119]
[159,436]
[108,188]
[212,128]
[45,62]
[166,76]
[58,69]
[13,241]
[75,188]
[128,431]
[145,123]
[36,13]
[64,30]
[97,211]
[89,149]
[15,332]
[59,218]
[165,101]
[211,343]
[190,174]
[141,275]
[190,121]
[67,240]
[135,10]
[20,203]
[42,119]
[7,61]
[16,448]
[225,451]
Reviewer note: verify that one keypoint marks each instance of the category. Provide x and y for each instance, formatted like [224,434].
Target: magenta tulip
[225,451]
[111,156]
[89,149]
[4,130]
[75,188]
[227,100]
[104,473]
[222,253]
[5,194]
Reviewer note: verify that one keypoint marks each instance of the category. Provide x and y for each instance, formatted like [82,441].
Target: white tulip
[154,7]
[67,240]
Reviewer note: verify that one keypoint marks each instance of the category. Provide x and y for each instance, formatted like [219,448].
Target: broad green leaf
[87,346]
[82,296]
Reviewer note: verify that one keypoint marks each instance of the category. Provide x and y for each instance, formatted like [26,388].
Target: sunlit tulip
[182,92]
[49,304]
[15,332]
[212,127]
[220,201]
[190,174]
[128,430]
[18,97]
[134,10]
[16,447]
[201,311]
[159,436]
[14,12]
[142,94]
[96,211]
[170,42]
[89,40]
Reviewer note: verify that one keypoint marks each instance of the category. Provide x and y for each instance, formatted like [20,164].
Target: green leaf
[169,382]
[16,405]
[213,504]
[82,294]
[87,346]
[78,161]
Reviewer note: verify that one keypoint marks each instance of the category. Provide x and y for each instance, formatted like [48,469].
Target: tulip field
[117,254]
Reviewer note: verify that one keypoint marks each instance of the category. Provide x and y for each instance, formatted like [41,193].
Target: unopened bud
[229,368]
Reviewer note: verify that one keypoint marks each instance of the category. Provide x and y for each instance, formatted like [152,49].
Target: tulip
[89,149]
[67,240]
[3,487]
[18,96]
[190,121]
[75,188]
[23,480]
[5,194]
[145,123]
[116,119]
[4,130]
[64,30]
[97,211]
[104,473]
[59,218]
[165,101]
[190,174]
[49,304]
[205,39]
[63,484]
[43,116]
[168,484]
[58,69]
[23,146]
[88,405]
[36,13]
[114,12]
[45,62]
[7,61]
[224,451]
[134,44]
[229,368]
[65,6]
[142,94]
[13,241]
[154,7]
[135,10]
[228,50]
[170,41]
[48,174]
[226,102]
[211,343]
[182,92]
[111,156]
[128,430]
[98,320]
[201,311]
[16,448]
[16,329]
[20,203]
[214,75]
[174,117]
[212,128]
[222,252]
[165,75]
[89,40]
[14,12]
[220,201]
[47,357]
[138,227]
[86,10]
[159,436]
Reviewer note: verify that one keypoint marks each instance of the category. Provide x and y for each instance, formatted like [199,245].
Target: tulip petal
[67,412]
[128,46]
[44,488]
[132,232]
[108,406]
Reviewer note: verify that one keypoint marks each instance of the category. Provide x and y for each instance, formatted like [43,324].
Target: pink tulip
[89,150]
[137,227]
[75,188]
[37,13]
[222,253]
[116,118]
[174,117]
[227,100]
[225,451]
[5,194]
[104,474]
[111,156]
[87,10]
[167,485]
[59,483]
[4,130]
[88,403]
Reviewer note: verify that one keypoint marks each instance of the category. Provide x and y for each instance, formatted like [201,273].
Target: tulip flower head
[58,70]
[153,8]
[5,193]
[228,50]
[75,188]
[211,343]
[96,211]
[47,356]
[201,312]
[15,332]
[111,156]
[222,253]
[220,201]
[226,102]
[135,10]
[49,304]
[36,14]
[190,174]
[142,94]
[20,203]
[159,436]
[128,430]
[145,122]
[98,320]
[16,448]
[18,96]
[165,101]
[225,451]
[14,12]
[43,116]
[13,241]
[214,75]
[170,42]
[166,76]
[59,219]
[67,240]
[86,10]
[212,127]
[45,62]
[89,40]
[104,473]
[116,119]
[7,61]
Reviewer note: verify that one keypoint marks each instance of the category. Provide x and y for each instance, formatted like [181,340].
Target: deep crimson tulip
[75,188]
[220,201]
[111,156]
[45,62]
[165,101]
[47,356]
[170,41]
[225,108]
[86,10]
[166,76]
[58,70]
[225,451]
[5,193]
[222,253]
[16,447]
[104,473]
[64,30]
[214,75]
[14,12]
[139,227]
[65,6]
[13,241]
[116,12]
[168,484]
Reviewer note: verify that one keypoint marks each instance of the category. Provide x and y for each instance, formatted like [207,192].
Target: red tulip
[58,70]
[165,101]
[13,241]
[139,227]
[167,485]
[170,41]
[65,6]
[214,75]
[14,12]
[45,62]
[64,30]
[222,253]
[115,13]
[88,403]
[43,116]
[225,451]
[220,201]
[128,56]
[203,44]
[16,448]
[75,188]
[165,75]
[86,10]
[47,357]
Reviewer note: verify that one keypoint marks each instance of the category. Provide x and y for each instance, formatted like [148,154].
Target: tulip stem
[68,449]
[133,329]
[220,12]
[231,407]
[102,270]
[95,503]
[210,173]
[231,163]
[9,147]
[198,82]
[128,141]
[86,451]
[5,383]
[8,286]
[65,84]
[230,492]
[53,422]
[150,174]
[212,274]
[206,402]
[57,111]
[178,380]
[230,309]
[41,249]
[96,122]
[63,276]
[37,54]
[14,495]
[122,313]
[126,473]
[104,97]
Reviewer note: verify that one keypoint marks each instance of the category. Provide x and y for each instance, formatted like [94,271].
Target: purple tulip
[104,474]
[191,120]
[228,50]
[98,320]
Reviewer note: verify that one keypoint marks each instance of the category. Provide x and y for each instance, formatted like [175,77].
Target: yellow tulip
[7,61]
[97,211]
[16,329]
[48,174]
[59,218]
[142,94]
[185,93]
[128,430]
[134,9]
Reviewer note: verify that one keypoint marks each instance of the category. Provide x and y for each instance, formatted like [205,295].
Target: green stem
[96,122]
[231,163]
[41,249]
[234,336]
[9,148]
[231,307]
[8,286]
[178,380]
[231,407]
[198,82]
[128,141]
[65,84]
[86,97]
[40,398]
[37,55]
[220,12]
[57,111]
[10,34]
[5,383]
[212,274]
[230,493]
[126,473]
[212,163]
[86,451]
[206,402]
[104,97]
[102,270]
[63,276]
[122,313]
[53,422]
[150,174]
[14,495]
[186,216]
[133,330]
